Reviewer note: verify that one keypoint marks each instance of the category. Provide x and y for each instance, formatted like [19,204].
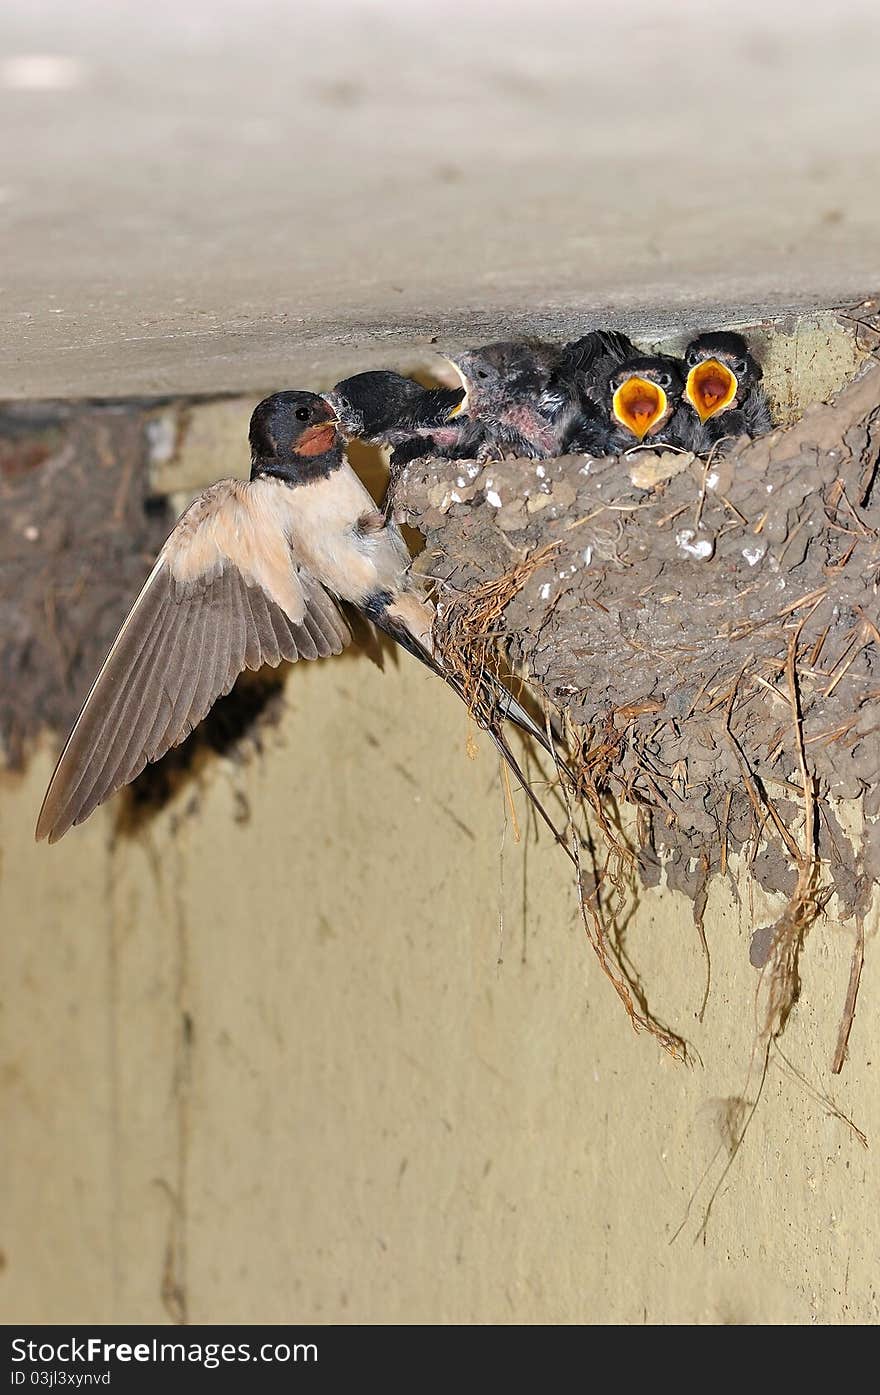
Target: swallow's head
[368,404]
[500,373]
[291,432]
[720,371]
[643,393]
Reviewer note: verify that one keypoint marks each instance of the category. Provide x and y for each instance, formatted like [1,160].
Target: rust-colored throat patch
[711,387]
[317,440]
[638,404]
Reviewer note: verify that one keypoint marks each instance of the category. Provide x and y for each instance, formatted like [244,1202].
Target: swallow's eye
[302,414]
[664,380]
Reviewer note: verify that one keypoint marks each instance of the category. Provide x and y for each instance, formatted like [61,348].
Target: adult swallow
[722,394]
[638,402]
[252,574]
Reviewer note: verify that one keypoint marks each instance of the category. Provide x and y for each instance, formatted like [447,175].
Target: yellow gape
[462,406]
[638,404]
[710,388]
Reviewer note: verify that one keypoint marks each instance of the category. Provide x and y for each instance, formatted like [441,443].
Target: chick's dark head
[368,403]
[504,372]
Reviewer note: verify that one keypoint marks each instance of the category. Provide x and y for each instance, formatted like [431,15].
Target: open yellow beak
[463,404]
[638,404]
[710,388]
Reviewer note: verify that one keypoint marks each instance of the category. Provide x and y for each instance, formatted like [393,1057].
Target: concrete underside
[238,196]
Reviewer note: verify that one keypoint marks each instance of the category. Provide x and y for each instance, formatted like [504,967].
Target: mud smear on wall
[79,532]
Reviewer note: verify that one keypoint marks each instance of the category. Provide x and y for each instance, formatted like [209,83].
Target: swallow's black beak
[638,404]
[710,388]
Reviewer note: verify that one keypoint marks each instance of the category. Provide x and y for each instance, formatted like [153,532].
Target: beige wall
[375,1119]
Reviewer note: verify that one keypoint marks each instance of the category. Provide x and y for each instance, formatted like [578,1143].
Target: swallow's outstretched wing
[226,594]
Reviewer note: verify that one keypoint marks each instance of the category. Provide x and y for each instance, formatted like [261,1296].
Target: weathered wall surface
[324,1043]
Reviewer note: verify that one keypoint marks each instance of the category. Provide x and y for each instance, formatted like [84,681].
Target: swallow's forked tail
[507,705]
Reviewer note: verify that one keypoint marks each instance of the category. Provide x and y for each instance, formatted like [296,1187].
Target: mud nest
[708,633]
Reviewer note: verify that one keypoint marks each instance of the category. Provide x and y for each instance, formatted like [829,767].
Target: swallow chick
[576,392]
[638,403]
[387,409]
[252,574]
[583,368]
[504,401]
[722,394]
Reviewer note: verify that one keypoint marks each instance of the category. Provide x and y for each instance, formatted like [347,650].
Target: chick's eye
[481,373]
[664,380]
[302,414]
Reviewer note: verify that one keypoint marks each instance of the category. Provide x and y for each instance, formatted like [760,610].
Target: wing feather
[265,630]
[301,637]
[283,634]
[253,654]
[90,743]
[128,740]
[236,659]
[182,681]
